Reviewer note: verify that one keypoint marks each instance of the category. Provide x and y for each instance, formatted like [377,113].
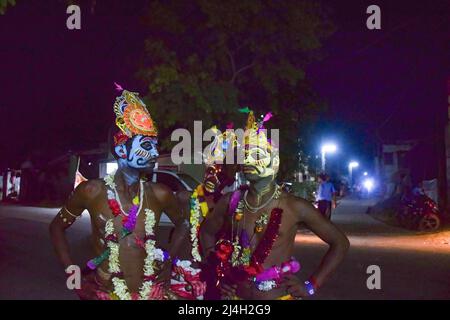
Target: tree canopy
[4,4]
[205,59]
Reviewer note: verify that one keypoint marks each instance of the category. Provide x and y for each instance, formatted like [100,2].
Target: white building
[391,164]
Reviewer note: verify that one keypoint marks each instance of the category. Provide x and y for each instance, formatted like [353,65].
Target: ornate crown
[254,133]
[218,148]
[132,116]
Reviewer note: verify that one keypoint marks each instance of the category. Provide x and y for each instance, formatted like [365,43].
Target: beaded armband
[66,219]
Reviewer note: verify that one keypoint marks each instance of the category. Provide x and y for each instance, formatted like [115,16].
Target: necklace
[120,288]
[129,218]
[275,194]
[141,196]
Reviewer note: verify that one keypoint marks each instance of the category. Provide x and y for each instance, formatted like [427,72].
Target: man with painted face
[125,211]
[251,233]
[187,281]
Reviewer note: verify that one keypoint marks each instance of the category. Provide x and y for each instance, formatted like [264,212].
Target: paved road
[412,266]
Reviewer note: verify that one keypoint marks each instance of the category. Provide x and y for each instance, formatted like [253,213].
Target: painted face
[218,176]
[141,153]
[260,162]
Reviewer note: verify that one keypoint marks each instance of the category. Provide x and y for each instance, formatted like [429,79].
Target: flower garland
[198,209]
[186,282]
[120,288]
[272,277]
[250,264]
[264,246]
[152,255]
[128,219]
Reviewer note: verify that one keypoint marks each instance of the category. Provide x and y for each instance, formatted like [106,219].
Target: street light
[351,165]
[327,148]
[365,173]
[369,184]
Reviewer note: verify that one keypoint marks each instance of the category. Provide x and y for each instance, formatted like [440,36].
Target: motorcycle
[419,212]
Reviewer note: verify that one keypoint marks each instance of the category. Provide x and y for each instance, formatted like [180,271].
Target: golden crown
[222,142]
[255,134]
[132,116]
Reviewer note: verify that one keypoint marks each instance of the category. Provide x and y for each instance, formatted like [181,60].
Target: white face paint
[141,153]
[260,163]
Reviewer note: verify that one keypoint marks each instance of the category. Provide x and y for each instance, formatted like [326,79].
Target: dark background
[57,85]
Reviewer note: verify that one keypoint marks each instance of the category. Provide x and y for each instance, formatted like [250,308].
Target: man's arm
[65,218]
[212,225]
[209,230]
[79,200]
[183,200]
[169,205]
[330,234]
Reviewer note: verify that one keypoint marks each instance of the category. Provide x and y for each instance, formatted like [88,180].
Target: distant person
[326,195]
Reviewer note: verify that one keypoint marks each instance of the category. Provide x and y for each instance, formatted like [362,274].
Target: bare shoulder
[183,196]
[300,207]
[161,191]
[89,190]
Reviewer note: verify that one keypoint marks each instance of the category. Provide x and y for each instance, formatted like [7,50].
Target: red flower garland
[224,249]
[264,247]
[114,206]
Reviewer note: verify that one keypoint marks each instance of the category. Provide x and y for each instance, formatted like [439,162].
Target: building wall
[388,170]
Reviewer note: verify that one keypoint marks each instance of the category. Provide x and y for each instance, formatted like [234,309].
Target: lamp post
[327,148]
[351,165]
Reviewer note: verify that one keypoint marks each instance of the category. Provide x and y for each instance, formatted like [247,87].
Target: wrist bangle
[70,213]
[166,256]
[310,288]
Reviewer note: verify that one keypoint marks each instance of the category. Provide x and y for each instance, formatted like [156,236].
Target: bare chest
[270,232]
[101,212]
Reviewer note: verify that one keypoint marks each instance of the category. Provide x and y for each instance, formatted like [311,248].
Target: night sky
[57,85]
[391,81]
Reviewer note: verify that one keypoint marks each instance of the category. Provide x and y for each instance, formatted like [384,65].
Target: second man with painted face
[250,236]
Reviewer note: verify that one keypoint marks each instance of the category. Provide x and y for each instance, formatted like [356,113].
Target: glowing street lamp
[327,148]
[365,173]
[369,184]
[351,165]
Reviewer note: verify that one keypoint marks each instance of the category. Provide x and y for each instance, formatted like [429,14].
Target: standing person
[256,229]
[125,211]
[187,281]
[326,195]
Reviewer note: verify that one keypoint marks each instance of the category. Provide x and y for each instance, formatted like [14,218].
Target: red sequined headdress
[132,117]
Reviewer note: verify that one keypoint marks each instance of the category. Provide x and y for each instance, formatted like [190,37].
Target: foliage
[4,4]
[305,189]
[204,59]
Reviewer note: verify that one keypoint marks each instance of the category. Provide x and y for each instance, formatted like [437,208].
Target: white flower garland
[109,180]
[152,255]
[112,193]
[187,265]
[194,221]
[266,285]
[120,287]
